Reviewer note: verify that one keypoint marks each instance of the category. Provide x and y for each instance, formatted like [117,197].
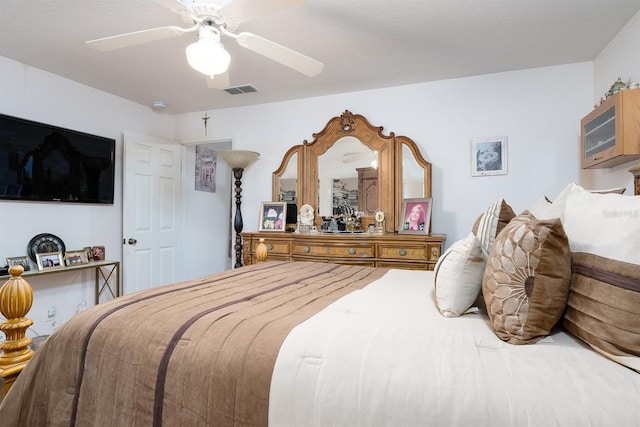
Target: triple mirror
[349,167]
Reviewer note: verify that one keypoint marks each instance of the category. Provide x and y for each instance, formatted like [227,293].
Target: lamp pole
[238,161]
[237,222]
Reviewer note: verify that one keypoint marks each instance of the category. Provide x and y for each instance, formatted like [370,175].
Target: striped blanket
[195,353]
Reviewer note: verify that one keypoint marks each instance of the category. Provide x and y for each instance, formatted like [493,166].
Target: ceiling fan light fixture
[207,55]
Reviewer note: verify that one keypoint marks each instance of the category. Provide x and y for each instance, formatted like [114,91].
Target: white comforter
[384,356]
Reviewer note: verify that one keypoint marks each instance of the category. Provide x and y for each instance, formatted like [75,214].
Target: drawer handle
[269,246]
[597,157]
[328,250]
[352,251]
[403,252]
[306,249]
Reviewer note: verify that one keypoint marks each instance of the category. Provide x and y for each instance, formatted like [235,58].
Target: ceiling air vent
[237,90]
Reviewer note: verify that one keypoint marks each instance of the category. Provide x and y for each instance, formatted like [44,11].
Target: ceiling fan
[211,19]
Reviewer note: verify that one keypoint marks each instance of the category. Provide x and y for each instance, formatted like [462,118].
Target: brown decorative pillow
[527,279]
[491,222]
[604,307]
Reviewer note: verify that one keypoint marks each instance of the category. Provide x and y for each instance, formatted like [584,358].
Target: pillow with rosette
[527,278]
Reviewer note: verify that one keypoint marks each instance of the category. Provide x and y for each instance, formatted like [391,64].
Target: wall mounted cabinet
[610,134]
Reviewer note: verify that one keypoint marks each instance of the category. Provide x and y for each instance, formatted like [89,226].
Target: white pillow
[458,276]
[540,207]
[607,225]
[555,209]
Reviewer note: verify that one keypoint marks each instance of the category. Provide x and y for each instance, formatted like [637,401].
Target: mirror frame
[275,178]
[389,150]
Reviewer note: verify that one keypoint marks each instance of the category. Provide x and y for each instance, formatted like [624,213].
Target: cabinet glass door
[600,134]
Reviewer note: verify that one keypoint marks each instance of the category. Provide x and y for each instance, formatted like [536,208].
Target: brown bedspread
[191,354]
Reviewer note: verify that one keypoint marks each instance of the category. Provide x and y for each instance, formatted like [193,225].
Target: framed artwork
[88,253]
[76,258]
[19,260]
[205,169]
[272,216]
[49,260]
[97,253]
[416,216]
[489,156]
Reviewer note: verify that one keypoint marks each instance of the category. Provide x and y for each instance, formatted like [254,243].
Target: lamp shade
[238,159]
[207,55]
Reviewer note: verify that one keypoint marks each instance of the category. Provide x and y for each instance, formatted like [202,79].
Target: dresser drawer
[273,246]
[334,250]
[406,265]
[407,252]
[365,262]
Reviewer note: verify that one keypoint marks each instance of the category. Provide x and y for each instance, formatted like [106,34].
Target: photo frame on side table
[273,216]
[489,156]
[416,216]
[76,258]
[19,260]
[97,253]
[49,261]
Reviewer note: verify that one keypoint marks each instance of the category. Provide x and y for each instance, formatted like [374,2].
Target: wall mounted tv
[48,163]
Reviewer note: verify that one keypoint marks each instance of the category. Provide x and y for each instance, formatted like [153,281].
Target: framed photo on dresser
[416,216]
[273,216]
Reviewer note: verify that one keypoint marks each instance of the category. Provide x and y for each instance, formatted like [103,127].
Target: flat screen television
[41,162]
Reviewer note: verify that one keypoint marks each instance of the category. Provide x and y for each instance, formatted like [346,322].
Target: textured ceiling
[364,44]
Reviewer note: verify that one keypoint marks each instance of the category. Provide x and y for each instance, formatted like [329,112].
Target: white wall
[207,217]
[538,109]
[40,96]
[619,59]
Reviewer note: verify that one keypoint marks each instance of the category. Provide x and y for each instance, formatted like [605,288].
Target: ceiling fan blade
[281,54]
[135,38]
[246,10]
[220,81]
[175,5]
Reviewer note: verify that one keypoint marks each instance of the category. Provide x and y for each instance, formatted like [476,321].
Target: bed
[319,344]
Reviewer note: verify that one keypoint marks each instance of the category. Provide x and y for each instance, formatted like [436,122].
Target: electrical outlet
[51,313]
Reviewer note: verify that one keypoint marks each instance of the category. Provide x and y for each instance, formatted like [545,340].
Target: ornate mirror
[351,166]
[415,172]
[285,183]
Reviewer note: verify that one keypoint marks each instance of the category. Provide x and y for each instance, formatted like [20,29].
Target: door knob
[132,241]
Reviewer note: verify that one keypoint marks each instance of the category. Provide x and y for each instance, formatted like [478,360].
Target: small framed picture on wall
[489,156]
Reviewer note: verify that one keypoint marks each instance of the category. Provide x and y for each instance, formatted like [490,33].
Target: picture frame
[97,253]
[416,216]
[49,260]
[489,156]
[88,253]
[19,260]
[273,216]
[79,257]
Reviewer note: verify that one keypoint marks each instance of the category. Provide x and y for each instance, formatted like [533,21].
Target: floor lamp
[238,161]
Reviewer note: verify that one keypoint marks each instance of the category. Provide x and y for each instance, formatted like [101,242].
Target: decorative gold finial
[16,298]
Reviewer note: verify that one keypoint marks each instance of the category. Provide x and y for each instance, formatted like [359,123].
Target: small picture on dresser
[416,216]
[272,216]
